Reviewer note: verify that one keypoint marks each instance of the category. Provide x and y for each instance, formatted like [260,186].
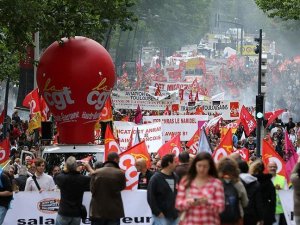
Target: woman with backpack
[235,193]
[268,192]
[200,196]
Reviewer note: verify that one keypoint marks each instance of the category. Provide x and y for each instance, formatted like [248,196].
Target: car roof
[74,149]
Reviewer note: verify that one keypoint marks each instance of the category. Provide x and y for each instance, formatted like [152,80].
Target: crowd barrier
[41,208]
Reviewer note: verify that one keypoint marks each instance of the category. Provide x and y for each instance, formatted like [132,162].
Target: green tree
[55,19]
[285,9]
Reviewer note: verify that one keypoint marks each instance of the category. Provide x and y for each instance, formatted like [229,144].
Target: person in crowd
[6,195]
[98,165]
[161,193]
[200,195]
[183,166]
[144,173]
[292,136]
[295,179]
[10,172]
[251,145]
[290,125]
[113,157]
[72,186]
[106,205]
[21,179]
[40,181]
[55,171]
[280,183]
[253,213]
[268,192]
[228,172]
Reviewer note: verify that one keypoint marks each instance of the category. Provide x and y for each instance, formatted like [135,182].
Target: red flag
[199,111]
[172,146]
[5,151]
[106,113]
[197,96]
[272,116]
[127,163]
[125,118]
[270,155]
[157,91]
[44,109]
[225,147]
[175,107]
[291,156]
[2,117]
[32,101]
[167,111]
[193,143]
[247,120]
[191,96]
[244,153]
[110,143]
[138,115]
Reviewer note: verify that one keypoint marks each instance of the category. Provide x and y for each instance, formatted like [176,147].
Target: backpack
[251,189]
[231,213]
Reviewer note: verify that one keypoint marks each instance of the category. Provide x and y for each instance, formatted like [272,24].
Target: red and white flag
[270,155]
[225,147]
[5,152]
[127,163]
[110,143]
[173,146]
[271,116]
[247,120]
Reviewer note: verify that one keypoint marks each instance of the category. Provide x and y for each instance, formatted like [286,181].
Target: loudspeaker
[47,130]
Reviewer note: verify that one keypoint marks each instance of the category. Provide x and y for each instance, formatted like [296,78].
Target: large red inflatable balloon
[75,78]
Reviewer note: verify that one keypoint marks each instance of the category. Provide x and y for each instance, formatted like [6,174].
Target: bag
[231,214]
[83,212]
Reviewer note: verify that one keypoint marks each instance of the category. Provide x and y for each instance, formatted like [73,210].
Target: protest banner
[151,133]
[185,125]
[41,208]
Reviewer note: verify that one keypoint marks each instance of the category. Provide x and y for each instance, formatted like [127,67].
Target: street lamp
[236,24]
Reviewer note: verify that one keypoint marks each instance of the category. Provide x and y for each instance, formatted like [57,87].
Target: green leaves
[285,9]
[55,19]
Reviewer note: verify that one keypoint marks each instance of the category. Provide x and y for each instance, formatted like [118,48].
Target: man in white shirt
[40,181]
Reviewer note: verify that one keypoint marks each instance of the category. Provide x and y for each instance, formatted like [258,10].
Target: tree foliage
[55,19]
[285,9]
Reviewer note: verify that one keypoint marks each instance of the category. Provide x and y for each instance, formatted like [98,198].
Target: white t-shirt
[45,182]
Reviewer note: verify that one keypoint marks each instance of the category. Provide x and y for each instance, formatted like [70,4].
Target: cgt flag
[225,147]
[127,163]
[270,155]
[271,116]
[173,146]
[193,143]
[5,151]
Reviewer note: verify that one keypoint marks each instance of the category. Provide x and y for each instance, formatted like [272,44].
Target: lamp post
[237,25]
